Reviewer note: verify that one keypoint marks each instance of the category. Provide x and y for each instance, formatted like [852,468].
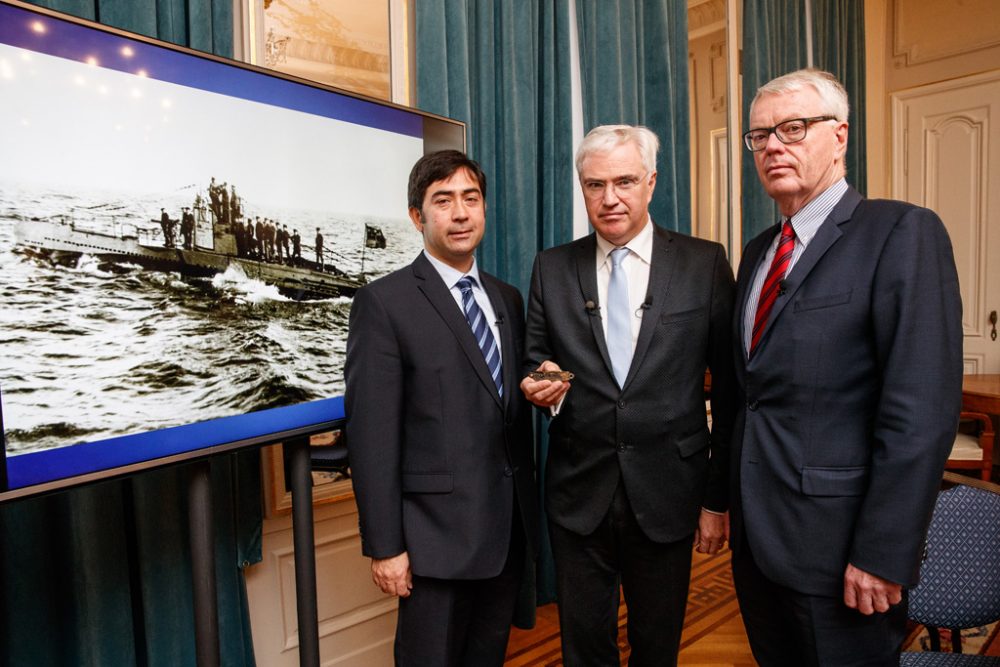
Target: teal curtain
[206,25]
[774,43]
[634,70]
[503,68]
[839,38]
[100,575]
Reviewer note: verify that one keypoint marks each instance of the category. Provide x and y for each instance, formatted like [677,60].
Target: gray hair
[605,138]
[826,85]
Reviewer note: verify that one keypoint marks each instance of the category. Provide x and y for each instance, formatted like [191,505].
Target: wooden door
[946,156]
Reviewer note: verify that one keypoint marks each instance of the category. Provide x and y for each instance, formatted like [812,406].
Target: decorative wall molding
[924,31]
[705,17]
[972,363]
[717,78]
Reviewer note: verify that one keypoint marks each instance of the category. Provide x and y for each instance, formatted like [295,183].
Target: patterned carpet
[982,641]
[711,603]
[712,608]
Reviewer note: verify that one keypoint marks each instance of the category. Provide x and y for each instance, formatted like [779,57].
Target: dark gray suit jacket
[436,455]
[653,432]
[850,403]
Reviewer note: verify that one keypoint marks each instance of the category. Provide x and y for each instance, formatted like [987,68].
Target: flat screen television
[180,238]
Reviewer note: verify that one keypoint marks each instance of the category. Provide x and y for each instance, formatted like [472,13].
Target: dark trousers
[457,622]
[654,578]
[786,627]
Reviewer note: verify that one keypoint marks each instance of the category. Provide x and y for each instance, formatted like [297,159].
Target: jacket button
[752,405]
[621,404]
[621,446]
[507,472]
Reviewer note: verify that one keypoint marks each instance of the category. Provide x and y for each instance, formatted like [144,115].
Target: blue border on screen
[89,457]
[68,40]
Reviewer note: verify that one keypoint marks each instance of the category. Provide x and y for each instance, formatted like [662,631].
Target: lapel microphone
[781,287]
[499,320]
[645,305]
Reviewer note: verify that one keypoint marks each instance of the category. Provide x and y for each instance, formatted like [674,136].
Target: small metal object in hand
[553,376]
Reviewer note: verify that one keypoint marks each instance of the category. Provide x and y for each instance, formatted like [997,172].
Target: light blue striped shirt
[806,223]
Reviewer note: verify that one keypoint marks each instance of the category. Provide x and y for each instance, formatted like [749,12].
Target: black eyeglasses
[789,132]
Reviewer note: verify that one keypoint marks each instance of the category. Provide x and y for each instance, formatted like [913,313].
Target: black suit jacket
[436,455]
[653,432]
[850,403]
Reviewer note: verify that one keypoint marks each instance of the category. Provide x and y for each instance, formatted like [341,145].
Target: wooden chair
[973,450]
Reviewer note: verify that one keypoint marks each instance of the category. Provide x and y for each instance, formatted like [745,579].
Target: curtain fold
[774,43]
[503,69]
[839,36]
[634,70]
[205,25]
[100,575]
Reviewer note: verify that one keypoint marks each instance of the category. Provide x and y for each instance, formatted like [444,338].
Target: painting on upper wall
[342,43]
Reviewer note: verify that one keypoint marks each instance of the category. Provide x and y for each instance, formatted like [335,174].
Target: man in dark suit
[849,361]
[633,475]
[440,438]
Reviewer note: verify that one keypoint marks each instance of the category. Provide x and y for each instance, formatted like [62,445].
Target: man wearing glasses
[849,359]
[636,313]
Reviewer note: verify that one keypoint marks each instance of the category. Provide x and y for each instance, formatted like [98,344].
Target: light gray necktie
[619,322]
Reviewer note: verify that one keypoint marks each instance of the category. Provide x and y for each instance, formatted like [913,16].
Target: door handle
[993,321]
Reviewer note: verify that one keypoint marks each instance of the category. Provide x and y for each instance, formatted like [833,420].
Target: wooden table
[981,393]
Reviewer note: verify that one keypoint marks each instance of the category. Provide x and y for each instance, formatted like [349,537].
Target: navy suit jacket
[651,433]
[850,403]
[437,456]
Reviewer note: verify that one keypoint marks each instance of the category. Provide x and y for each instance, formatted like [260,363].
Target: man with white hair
[633,477]
[848,343]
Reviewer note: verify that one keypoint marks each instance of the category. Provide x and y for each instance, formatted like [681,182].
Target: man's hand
[393,575]
[712,532]
[544,393]
[868,593]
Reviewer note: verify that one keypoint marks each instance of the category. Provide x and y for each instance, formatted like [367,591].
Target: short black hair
[437,167]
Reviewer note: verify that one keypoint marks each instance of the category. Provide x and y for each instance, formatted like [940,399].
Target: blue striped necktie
[481,330]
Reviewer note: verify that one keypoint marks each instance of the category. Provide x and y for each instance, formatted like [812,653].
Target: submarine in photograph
[209,237]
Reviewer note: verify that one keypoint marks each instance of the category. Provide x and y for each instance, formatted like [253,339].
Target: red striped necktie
[769,292]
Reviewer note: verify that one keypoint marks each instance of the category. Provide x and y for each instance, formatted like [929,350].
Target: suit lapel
[661,270]
[430,284]
[827,234]
[586,271]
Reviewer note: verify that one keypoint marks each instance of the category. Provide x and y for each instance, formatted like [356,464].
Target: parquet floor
[713,632]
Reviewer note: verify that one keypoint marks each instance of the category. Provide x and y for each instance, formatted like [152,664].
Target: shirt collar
[450,275]
[806,222]
[641,245]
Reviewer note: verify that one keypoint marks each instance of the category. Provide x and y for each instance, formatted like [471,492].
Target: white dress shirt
[636,265]
[451,276]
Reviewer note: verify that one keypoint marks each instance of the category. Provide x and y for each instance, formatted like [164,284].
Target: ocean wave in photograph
[94,349]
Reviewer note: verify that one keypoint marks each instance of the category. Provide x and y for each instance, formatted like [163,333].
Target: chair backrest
[960,577]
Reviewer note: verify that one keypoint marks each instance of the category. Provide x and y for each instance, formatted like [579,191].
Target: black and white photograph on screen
[171,255]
